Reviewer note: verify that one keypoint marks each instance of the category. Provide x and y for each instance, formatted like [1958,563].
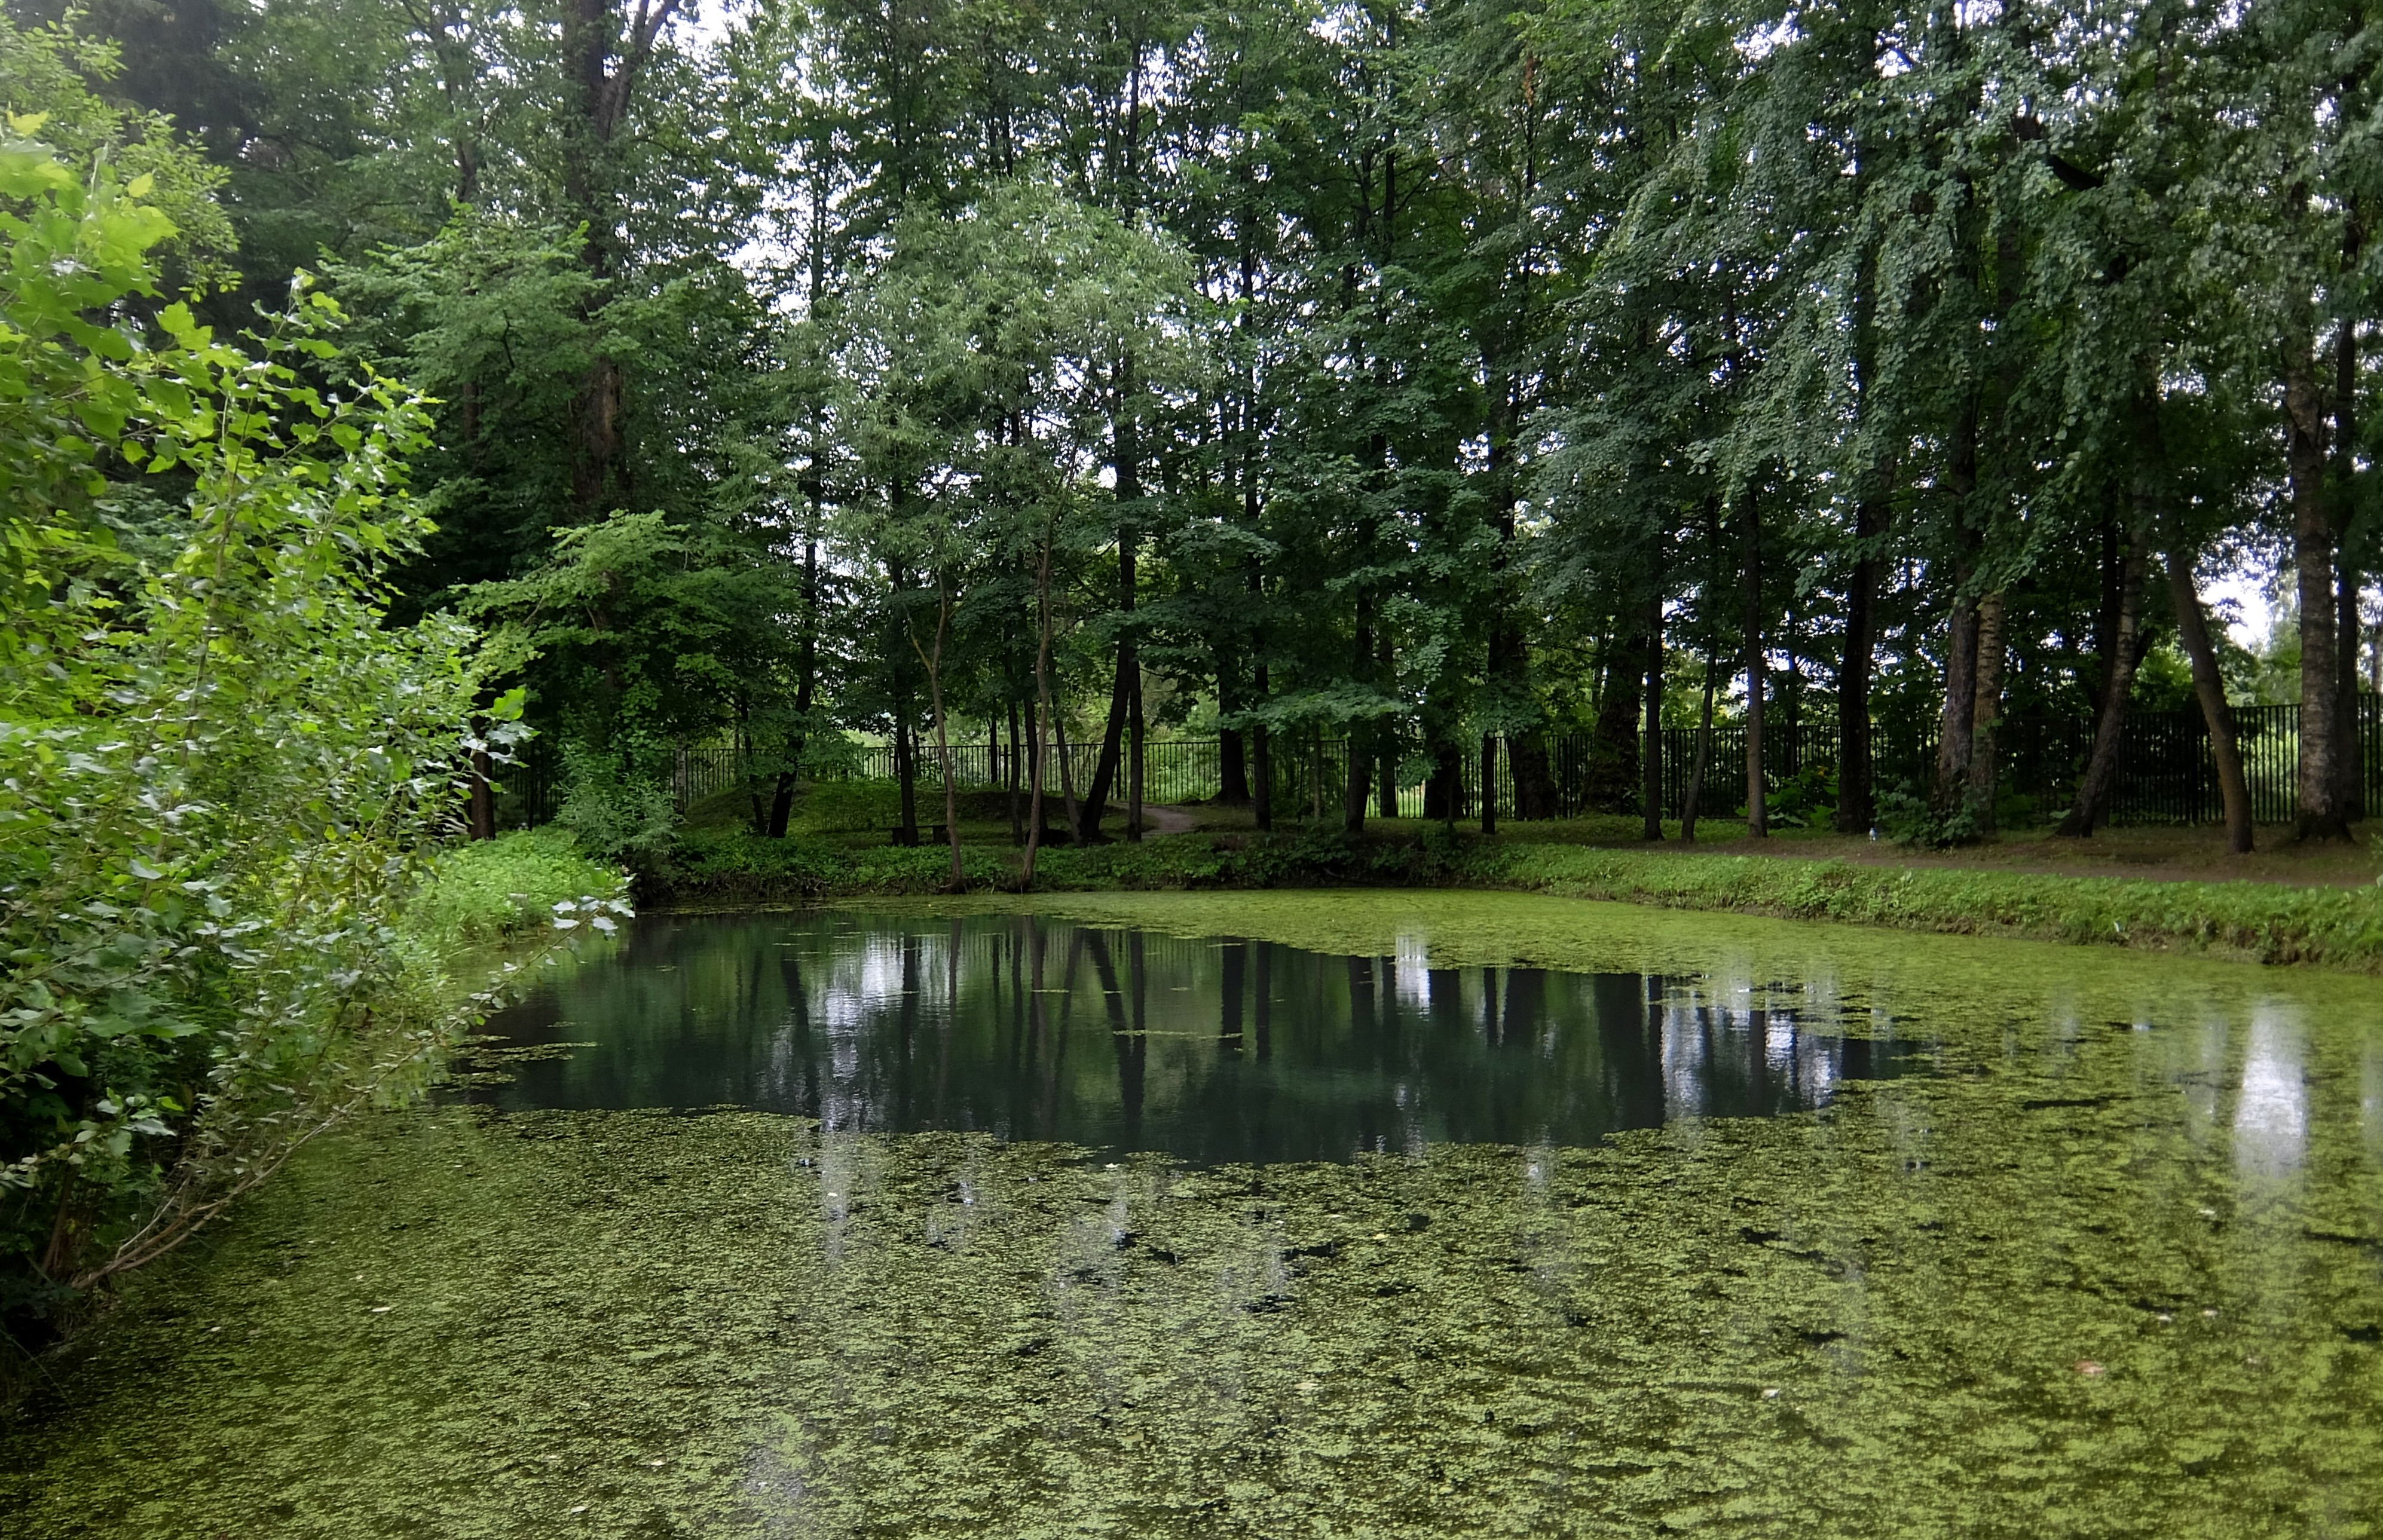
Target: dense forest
[390,382]
[1430,377]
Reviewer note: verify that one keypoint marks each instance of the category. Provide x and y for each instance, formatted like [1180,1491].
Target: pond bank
[484,911]
[2266,922]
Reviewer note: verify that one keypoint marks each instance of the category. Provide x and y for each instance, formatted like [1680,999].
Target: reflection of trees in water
[1234,1049]
[1128,1036]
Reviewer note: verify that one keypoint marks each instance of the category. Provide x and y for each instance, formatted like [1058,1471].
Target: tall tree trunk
[935,661]
[905,776]
[1489,782]
[1262,763]
[2319,777]
[2209,689]
[1235,786]
[1009,770]
[1529,766]
[906,754]
[1650,794]
[1232,768]
[2091,805]
[1758,816]
[604,65]
[483,798]
[1443,793]
[2350,757]
[1857,775]
[1125,460]
[1040,768]
[1136,782]
[2105,617]
[813,487]
[1985,759]
[1067,773]
[1358,786]
[1856,771]
[1386,743]
[1508,651]
[1957,727]
[1614,741]
[1357,783]
[781,799]
[1704,753]
[2349,778]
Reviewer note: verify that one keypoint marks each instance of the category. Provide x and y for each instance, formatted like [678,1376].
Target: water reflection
[2271,1113]
[1213,1051]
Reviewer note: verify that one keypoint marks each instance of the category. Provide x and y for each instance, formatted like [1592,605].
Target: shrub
[224,776]
[611,811]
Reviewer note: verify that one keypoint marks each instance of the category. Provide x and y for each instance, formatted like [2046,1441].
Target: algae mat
[2113,1268]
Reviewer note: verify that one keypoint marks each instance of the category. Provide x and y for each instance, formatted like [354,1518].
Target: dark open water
[1030,1027]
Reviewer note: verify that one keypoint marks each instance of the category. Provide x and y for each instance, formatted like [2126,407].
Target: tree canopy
[1441,380]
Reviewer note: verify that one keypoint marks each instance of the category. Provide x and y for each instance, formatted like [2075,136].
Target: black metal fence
[2165,773]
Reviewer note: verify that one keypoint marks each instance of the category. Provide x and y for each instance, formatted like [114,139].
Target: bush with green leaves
[610,810]
[223,775]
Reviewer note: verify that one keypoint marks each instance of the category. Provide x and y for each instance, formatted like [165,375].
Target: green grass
[2339,928]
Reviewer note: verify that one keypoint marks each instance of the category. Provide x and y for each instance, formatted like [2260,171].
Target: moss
[2338,928]
[636,1324]
[2112,1271]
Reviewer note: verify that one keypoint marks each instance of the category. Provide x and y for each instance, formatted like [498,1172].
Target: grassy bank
[2330,927]
[491,890]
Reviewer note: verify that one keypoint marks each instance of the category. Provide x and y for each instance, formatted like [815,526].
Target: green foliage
[223,775]
[1410,376]
[488,891]
[845,807]
[52,78]
[1805,800]
[1907,819]
[612,811]
[641,633]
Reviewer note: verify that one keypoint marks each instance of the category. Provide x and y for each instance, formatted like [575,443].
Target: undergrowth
[489,889]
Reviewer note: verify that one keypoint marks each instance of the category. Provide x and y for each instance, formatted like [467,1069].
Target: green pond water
[1278,1214]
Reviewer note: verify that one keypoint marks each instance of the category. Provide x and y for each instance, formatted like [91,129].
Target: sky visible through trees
[1441,378]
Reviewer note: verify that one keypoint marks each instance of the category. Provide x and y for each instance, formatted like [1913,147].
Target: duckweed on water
[2086,1279]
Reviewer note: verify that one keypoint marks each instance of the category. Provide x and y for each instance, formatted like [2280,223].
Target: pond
[1346,1214]
[1212,1050]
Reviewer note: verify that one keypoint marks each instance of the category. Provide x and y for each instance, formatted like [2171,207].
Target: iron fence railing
[2166,774]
